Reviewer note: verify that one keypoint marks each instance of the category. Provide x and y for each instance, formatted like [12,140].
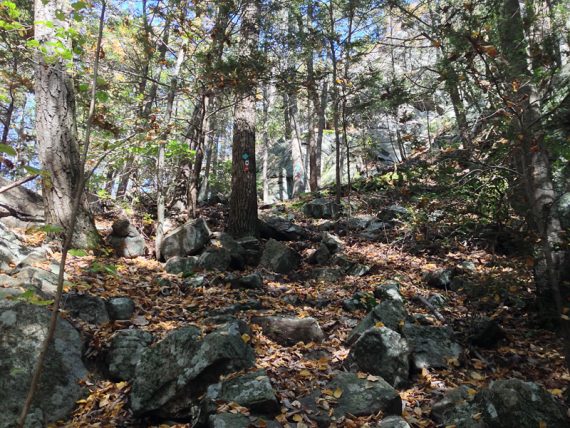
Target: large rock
[120,308]
[172,375]
[20,207]
[252,390]
[394,422]
[125,352]
[43,282]
[394,213]
[23,327]
[281,229]
[288,331]
[279,258]
[11,248]
[182,265]
[514,403]
[383,352]
[431,347]
[91,309]
[389,291]
[251,250]
[322,208]
[253,281]
[229,420]
[332,242]
[187,240]
[215,259]
[126,240]
[391,313]
[320,256]
[357,397]
[510,403]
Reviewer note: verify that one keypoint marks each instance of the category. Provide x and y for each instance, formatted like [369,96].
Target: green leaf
[32,43]
[83,87]
[78,252]
[51,228]
[79,5]
[31,170]
[60,15]
[4,148]
[102,96]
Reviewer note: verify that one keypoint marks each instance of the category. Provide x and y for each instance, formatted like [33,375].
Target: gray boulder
[394,422]
[20,207]
[442,279]
[514,403]
[358,397]
[326,274]
[391,313]
[510,403]
[11,248]
[120,308]
[126,240]
[361,397]
[288,331]
[281,229]
[252,390]
[125,352]
[251,250]
[322,208]
[248,282]
[457,408]
[23,327]
[186,240]
[383,352]
[394,213]
[43,282]
[91,309]
[173,374]
[182,265]
[320,256]
[278,257]
[358,269]
[229,420]
[431,347]
[389,291]
[333,242]
[215,259]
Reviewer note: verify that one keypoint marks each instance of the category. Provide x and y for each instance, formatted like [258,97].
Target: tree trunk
[552,259]
[242,219]
[58,148]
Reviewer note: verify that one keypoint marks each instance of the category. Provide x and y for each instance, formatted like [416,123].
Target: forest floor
[504,292]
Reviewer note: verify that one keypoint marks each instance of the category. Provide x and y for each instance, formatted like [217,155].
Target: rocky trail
[360,321]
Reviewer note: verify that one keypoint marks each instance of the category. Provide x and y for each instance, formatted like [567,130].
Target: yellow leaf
[379,324]
[556,391]
[245,337]
[337,393]
[305,373]
[122,385]
[328,392]
[297,417]
[471,391]
[476,376]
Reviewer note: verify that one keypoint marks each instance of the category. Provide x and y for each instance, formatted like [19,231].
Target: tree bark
[242,219]
[58,148]
[552,259]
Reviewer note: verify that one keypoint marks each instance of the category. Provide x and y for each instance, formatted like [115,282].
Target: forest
[268,213]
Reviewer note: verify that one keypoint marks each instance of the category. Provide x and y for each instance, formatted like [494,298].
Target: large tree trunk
[242,219]
[58,148]
[552,260]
